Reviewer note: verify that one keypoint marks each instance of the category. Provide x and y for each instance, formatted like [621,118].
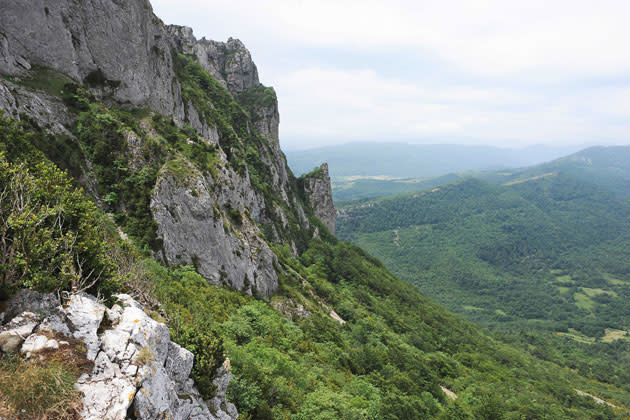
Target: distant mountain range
[608,167]
[542,248]
[417,160]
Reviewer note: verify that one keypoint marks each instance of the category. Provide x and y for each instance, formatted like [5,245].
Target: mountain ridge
[187,203]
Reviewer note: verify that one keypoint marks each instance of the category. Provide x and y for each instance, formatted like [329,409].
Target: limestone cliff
[120,48]
[318,190]
[126,56]
[135,368]
[190,118]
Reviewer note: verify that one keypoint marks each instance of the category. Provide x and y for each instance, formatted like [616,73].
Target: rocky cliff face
[120,48]
[221,218]
[229,62]
[124,54]
[136,369]
[318,189]
[207,221]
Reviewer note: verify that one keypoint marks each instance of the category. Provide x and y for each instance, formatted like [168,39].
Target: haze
[501,73]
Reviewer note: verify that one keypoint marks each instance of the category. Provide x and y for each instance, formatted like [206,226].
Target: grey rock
[157,398]
[37,343]
[179,363]
[13,334]
[84,315]
[107,394]
[223,410]
[26,300]
[55,323]
[229,62]
[319,192]
[121,47]
[195,226]
[290,309]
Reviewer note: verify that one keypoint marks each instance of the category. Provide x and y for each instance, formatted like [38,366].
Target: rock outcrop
[83,41]
[229,62]
[207,221]
[318,190]
[135,367]
[124,55]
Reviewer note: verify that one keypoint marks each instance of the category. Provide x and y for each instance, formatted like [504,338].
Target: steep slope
[198,217]
[549,253]
[608,167]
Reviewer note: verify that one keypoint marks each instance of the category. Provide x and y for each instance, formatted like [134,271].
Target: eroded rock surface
[318,189]
[83,41]
[209,222]
[136,368]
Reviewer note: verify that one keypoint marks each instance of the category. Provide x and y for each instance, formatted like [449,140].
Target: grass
[42,388]
[594,292]
[583,301]
[145,356]
[472,308]
[614,281]
[181,170]
[563,289]
[614,335]
[45,80]
[576,336]
[564,278]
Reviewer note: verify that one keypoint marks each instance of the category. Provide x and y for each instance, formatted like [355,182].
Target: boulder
[13,334]
[26,300]
[85,314]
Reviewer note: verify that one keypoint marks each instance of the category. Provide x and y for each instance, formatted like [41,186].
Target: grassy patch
[472,308]
[564,278]
[563,289]
[576,336]
[43,388]
[45,80]
[595,292]
[145,356]
[181,170]
[583,301]
[614,335]
[614,281]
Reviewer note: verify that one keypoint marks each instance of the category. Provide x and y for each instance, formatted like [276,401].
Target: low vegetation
[387,353]
[533,259]
[42,388]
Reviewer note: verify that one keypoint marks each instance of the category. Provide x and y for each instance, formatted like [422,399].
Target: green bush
[51,236]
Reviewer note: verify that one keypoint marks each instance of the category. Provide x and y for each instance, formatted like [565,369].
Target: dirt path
[596,399]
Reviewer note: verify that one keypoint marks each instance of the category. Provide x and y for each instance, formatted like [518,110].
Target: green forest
[343,337]
[542,262]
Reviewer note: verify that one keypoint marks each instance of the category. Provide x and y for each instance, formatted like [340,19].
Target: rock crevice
[136,367]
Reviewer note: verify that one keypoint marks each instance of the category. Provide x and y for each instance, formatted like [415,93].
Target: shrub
[51,236]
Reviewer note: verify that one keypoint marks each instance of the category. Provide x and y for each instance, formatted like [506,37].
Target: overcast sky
[506,73]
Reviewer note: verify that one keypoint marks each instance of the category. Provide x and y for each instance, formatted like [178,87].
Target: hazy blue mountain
[608,167]
[417,160]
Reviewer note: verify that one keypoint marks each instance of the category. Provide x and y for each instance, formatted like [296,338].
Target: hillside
[367,170]
[549,253]
[608,167]
[604,166]
[145,199]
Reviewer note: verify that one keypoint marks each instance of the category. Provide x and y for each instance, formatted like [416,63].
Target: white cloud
[360,105]
[535,71]
[552,39]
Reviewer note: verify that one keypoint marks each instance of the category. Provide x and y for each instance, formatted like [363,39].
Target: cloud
[560,38]
[320,104]
[485,71]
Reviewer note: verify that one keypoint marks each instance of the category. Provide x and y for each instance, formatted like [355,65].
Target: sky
[502,73]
